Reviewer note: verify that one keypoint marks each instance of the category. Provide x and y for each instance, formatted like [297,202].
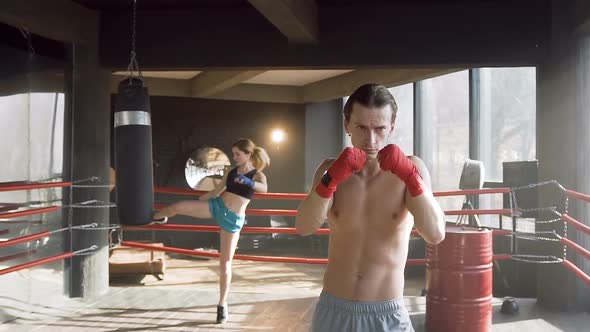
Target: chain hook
[133,63]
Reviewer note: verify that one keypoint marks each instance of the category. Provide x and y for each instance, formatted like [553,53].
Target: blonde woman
[227,203]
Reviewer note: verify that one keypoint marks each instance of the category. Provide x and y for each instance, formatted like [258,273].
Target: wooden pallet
[126,261]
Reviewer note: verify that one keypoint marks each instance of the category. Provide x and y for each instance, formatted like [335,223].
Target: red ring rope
[207,228]
[26,238]
[237,256]
[581,274]
[282,212]
[255,230]
[409,262]
[575,223]
[37,262]
[29,186]
[579,249]
[300,196]
[575,194]
[29,212]
[472,192]
[477,212]
[190,192]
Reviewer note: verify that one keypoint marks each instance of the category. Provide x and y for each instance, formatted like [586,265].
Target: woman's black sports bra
[231,186]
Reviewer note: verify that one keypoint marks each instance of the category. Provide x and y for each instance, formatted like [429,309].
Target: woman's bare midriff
[235,203]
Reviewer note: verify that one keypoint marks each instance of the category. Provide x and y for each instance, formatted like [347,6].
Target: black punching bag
[133,153]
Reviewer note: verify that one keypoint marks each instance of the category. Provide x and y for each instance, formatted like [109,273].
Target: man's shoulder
[417,161]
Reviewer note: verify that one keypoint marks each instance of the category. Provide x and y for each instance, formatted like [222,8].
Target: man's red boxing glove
[350,160]
[392,158]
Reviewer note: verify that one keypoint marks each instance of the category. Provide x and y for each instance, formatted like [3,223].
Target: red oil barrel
[459,281]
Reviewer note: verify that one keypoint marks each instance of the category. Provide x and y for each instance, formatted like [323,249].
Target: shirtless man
[365,194]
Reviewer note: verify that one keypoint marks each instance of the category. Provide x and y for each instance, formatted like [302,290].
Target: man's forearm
[428,217]
[311,214]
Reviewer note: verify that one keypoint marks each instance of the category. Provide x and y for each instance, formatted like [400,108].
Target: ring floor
[264,297]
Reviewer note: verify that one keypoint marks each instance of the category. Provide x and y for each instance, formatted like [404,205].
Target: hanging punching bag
[133,153]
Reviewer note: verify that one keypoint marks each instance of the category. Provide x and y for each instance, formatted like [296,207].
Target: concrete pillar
[563,149]
[323,135]
[87,154]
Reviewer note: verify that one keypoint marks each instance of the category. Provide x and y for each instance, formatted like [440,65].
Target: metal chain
[106,228]
[74,227]
[91,185]
[534,185]
[513,204]
[541,222]
[88,227]
[552,209]
[541,209]
[133,27]
[27,35]
[90,179]
[88,251]
[536,237]
[566,209]
[95,204]
[531,186]
[133,63]
[537,259]
[113,244]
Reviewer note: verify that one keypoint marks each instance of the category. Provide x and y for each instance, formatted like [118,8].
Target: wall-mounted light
[278,136]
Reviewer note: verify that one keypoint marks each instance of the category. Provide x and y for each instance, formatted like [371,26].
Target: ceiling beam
[296,19]
[38,82]
[344,85]
[215,81]
[328,89]
[263,93]
[244,92]
[159,86]
[61,20]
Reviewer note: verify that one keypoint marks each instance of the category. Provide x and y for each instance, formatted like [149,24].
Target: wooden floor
[264,297]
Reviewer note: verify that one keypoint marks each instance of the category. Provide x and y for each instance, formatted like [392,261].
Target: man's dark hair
[370,95]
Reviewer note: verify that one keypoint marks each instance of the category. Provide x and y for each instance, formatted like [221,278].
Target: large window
[507,128]
[507,124]
[444,131]
[32,144]
[403,133]
[32,137]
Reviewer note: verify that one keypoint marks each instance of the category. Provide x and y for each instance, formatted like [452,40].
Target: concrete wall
[563,119]
[323,135]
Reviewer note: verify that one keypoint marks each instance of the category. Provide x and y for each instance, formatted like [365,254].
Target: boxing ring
[10,211]
[430,261]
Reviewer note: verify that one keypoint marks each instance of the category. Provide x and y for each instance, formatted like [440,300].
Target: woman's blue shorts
[228,220]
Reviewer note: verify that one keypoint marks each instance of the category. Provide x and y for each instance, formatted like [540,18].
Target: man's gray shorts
[336,314]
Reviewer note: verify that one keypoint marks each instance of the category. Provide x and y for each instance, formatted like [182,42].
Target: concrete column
[563,118]
[87,154]
[323,135]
